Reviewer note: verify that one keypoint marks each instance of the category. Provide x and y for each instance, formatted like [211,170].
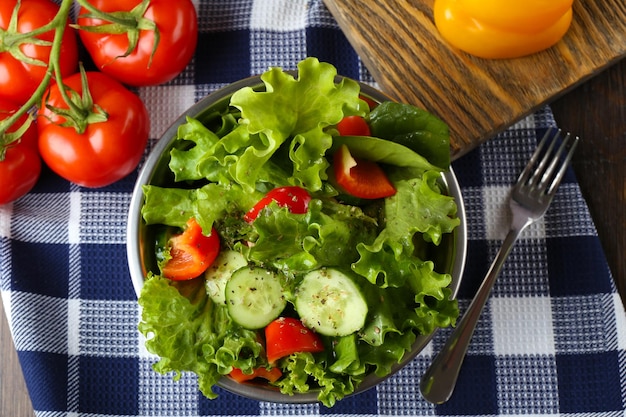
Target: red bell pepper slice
[191,252]
[296,199]
[287,335]
[359,177]
[272,374]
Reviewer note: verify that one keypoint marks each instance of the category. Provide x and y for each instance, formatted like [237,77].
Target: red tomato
[21,166]
[272,374]
[106,151]
[360,178]
[293,197]
[191,252]
[287,335]
[178,29]
[19,80]
[353,126]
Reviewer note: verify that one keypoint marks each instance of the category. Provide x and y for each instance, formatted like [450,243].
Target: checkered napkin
[552,339]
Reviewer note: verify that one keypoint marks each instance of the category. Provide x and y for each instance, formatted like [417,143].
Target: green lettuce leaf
[346,354]
[300,369]
[192,334]
[298,110]
[383,357]
[202,154]
[418,207]
[406,283]
[207,204]
[433,304]
[195,163]
[420,306]
[327,235]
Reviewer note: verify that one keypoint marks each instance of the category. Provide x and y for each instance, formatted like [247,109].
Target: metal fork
[530,198]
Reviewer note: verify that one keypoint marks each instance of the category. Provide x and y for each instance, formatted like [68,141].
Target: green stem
[51,25]
[58,24]
[55,56]
[105,16]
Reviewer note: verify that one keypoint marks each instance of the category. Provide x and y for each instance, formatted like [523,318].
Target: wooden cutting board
[400,45]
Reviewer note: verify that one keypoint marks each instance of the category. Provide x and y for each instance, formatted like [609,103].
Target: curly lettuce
[417,208]
[327,235]
[207,204]
[192,334]
[291,112]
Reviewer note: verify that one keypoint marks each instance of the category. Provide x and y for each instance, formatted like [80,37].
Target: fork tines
[551,168]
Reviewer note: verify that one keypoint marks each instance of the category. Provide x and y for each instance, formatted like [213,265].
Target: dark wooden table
[595,110]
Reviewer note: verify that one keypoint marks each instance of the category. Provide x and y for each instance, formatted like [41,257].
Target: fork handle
[440,378]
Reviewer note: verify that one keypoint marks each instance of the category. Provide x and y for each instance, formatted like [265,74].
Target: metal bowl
[450,255]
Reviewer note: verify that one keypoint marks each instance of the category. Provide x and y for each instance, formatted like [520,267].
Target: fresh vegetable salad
[297,241]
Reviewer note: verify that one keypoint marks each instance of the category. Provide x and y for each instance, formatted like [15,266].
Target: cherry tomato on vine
[21,166]
[360,178]
[19,78]
[293,197]
[191,252]
[177,26]
[106,151]
[287,335]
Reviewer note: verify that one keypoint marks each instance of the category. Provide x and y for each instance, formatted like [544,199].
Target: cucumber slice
[254,297]
[218,274]
[329,302]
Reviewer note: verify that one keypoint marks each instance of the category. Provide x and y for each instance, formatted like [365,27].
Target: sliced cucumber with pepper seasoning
[254,297]
[217,275]
[330,303]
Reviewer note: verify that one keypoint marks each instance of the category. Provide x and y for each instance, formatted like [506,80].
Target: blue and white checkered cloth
[552,340]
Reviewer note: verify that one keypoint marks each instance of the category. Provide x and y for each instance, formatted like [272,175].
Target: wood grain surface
[400,45]
[14,399]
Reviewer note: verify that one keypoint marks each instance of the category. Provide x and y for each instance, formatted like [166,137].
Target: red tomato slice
[360,178]
[296,199]
[353,126]
[287,335]
[191,252]
[272,374]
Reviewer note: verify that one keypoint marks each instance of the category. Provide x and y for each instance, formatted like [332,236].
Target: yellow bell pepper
[502,29]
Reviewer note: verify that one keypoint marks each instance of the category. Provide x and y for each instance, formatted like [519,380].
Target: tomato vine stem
[58,25]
